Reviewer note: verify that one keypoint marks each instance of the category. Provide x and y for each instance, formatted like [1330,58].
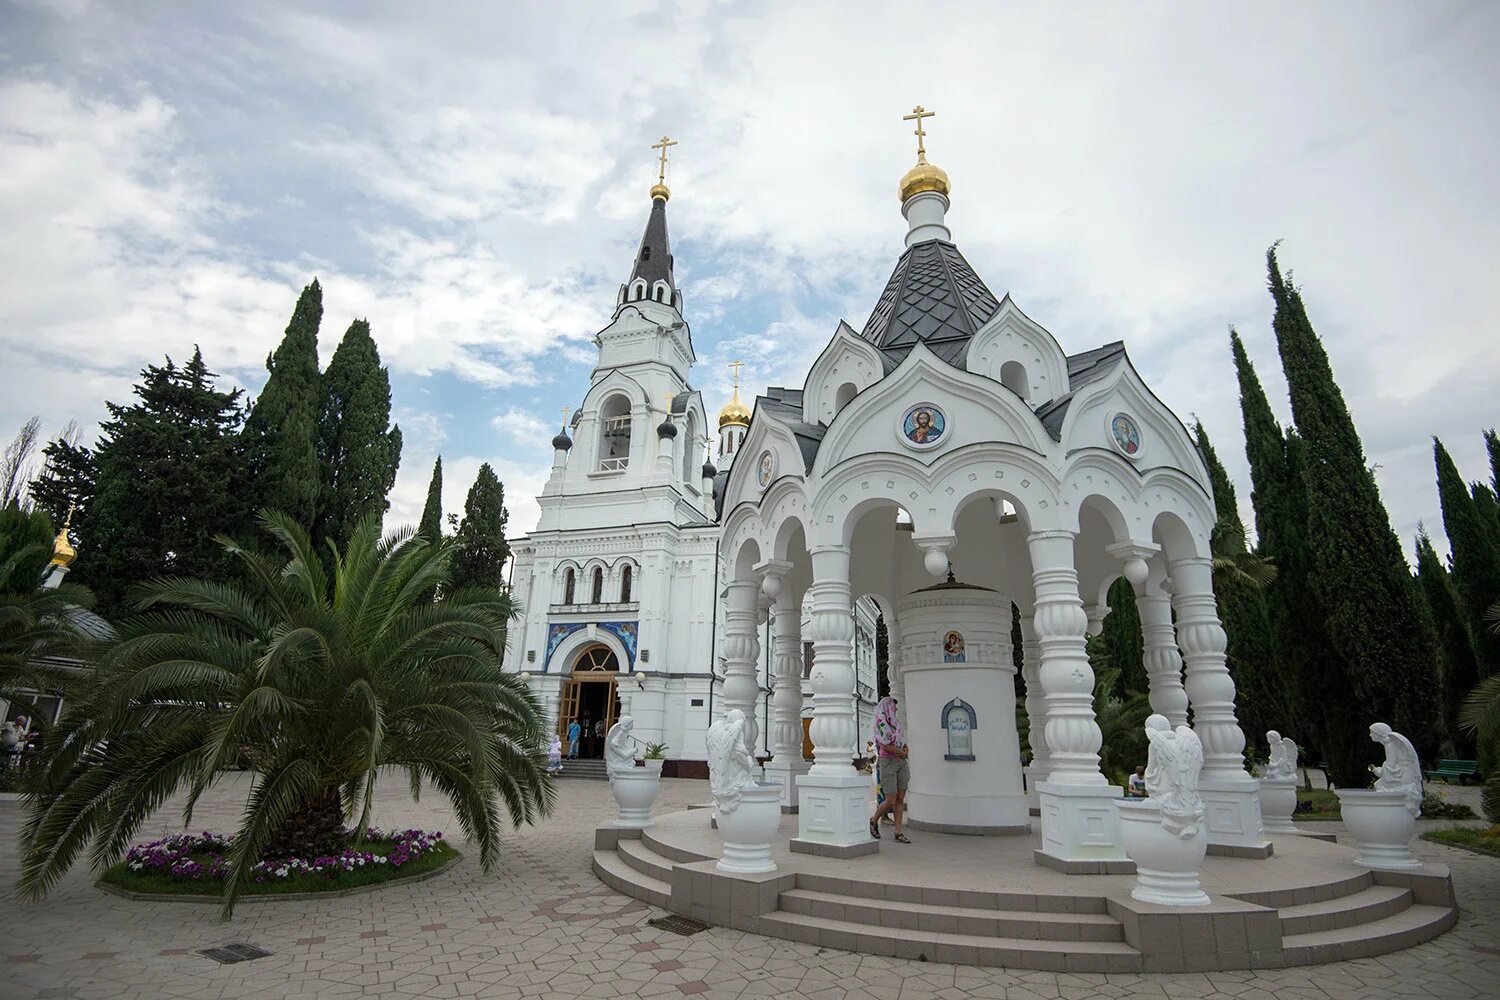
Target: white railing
[614,464]
[617,426]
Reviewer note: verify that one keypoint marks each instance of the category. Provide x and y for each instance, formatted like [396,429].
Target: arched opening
[589,701]
[625,581]
[570,584]
[661,293]
[598,588]
[614,434]
[1013,377]
[689,449]
[842,398]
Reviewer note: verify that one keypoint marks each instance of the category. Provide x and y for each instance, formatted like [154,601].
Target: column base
[833,811]
[786,772]
[1234,824]
[1080,828]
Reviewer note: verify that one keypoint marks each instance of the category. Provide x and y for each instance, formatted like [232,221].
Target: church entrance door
[590,697]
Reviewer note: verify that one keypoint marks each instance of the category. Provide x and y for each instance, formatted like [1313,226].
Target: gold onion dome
[924,177]
[63,552]
[734,413]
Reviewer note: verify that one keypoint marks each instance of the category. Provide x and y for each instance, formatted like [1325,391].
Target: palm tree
[317,673]
[1480,715]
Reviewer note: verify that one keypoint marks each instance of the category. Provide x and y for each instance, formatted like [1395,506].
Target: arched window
[625,585]
[645,253]
[689,449]
[569,585]
[1013,377]
[598,591]
[846,393]
[614,434]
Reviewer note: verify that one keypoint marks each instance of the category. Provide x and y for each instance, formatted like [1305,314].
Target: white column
[741,655]
[895,679]
[1036,711]
[786,765]
[1080,830]
[832,798]
[1230,794]
[1162,661]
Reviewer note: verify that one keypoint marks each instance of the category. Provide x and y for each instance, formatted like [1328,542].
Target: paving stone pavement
[540,925]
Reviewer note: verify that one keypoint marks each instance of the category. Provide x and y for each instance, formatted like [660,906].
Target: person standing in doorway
[895,769]
[599,737]
[575,733]
[588,737]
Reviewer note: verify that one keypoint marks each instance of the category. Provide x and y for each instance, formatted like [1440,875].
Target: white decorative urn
[1278,786]
[634,786]
[1164,834]
[1383,819]
[748,812]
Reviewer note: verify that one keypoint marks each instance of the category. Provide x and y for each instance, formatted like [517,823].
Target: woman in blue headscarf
[895,769]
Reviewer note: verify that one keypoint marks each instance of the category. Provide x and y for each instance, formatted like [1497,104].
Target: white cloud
[522,427]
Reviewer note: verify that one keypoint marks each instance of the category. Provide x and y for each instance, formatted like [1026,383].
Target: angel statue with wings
[1172,770]
[1402,770]
[1283,762]
[619,746]
[731,769]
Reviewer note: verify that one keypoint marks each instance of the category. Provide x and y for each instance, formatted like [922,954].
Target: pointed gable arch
[848,361]
[1011,343]
[766,434]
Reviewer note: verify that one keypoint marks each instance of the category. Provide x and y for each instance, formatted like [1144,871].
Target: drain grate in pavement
[686,926]
[231,953]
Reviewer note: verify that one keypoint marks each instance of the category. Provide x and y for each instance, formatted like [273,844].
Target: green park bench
[1459,769]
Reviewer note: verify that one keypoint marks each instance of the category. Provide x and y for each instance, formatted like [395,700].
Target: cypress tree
[1460,661]
[66,482]
[1252,657]
[479,547]
[1316,715]
[358,452]
[1381,628]
[431,525]
[1124,640]
[281,431]
[1472,550]
[170,478]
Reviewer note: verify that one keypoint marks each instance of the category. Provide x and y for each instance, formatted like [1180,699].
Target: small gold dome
[734,413]
[661,191]
[924,177]
[63,552]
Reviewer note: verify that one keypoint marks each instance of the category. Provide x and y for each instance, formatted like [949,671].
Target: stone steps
[1278,899]
[963,920]
[958,949]
[1409,927]
[1362,907]
[592,769]
[613,871]
[932,895]
[646,861]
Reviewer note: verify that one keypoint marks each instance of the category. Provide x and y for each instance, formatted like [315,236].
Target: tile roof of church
[933,296]
[653,261]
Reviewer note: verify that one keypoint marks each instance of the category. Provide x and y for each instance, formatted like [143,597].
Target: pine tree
[170,477]
[479,548]
[1254,663]
[1472,550]
[1317,718]
[1381,628]
[1460,661]
[358,454]
[66,483]
[431,525]
[281,431]
[1123,639]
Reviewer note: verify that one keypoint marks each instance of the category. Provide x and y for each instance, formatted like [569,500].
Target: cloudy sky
[473,180]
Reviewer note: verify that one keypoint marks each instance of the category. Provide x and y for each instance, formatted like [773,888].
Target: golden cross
[917,114]
[565,411]
[68,521]
[671,397]
[736,366]
[661,170]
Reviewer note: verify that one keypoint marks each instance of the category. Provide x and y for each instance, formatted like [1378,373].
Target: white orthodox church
[618,581]
[949,463]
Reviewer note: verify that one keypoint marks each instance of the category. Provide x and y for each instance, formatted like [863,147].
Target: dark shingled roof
[786,406]
[1090,366]
[933,296]
[653,261]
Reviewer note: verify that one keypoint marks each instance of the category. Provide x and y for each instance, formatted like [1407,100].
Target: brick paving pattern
[542,926]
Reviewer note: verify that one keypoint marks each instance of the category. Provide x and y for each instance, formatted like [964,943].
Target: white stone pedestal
[1233,820]
[787,773]
[833,815]
[1081,830]
[1278,801]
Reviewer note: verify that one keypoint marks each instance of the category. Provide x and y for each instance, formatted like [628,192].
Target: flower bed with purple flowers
[196,864]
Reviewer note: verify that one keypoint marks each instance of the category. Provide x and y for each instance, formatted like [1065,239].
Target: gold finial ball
[661,191]
[924,177]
